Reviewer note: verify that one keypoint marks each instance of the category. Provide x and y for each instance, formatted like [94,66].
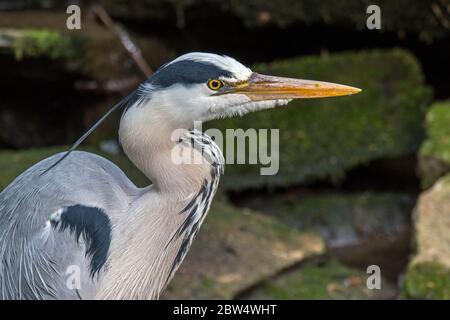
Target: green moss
[93,51]
[331,280]
[427,280]
[437,144]
[323,138]
[434,156]
[45,42]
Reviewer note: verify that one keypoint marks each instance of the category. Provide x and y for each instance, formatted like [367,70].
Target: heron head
[205,86]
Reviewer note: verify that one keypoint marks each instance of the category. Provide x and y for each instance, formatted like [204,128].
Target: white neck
[148,138]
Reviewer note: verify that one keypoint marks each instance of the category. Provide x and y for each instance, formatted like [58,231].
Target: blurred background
[362,179]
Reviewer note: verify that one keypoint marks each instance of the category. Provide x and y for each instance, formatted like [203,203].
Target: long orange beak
[261,87]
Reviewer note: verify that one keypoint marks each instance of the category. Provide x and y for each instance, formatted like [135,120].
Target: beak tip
[354,91]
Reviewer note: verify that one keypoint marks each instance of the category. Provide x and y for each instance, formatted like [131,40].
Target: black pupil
[215,84]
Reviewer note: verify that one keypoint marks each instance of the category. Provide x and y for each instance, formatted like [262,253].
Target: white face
[201,102]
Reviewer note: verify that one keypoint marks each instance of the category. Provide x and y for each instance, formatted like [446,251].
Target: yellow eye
[215,84]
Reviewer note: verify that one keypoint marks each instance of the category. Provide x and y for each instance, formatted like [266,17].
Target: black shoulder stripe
[95,227]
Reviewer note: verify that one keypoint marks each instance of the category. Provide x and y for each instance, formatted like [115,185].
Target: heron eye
[215,84]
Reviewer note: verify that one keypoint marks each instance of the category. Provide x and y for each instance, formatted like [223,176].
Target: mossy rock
[329,280]
[342,219]
[427,280]
[324,138]
[428,274]
[92,52]
[434,155]
[432,223]
[237,249]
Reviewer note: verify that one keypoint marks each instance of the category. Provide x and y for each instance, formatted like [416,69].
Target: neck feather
[166,219]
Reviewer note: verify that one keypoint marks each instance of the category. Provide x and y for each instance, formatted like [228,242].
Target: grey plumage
[35,250]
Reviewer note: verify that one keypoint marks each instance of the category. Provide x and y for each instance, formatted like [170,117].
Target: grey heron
[77,209]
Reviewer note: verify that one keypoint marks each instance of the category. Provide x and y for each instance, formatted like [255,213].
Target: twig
[132,49]
[440,16]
